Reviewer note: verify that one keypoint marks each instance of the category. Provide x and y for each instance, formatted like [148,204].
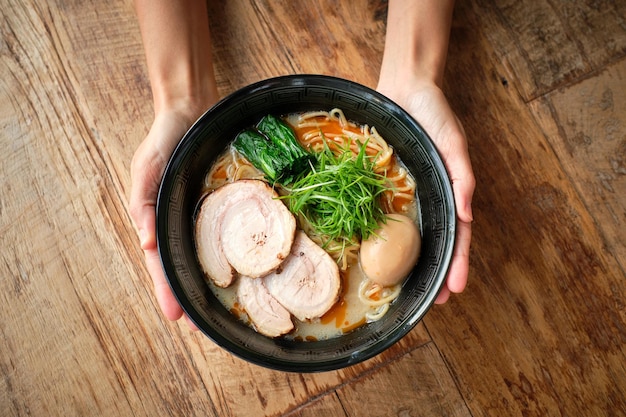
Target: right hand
[427,104]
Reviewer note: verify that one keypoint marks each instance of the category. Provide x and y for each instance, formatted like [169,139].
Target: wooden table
[541,329]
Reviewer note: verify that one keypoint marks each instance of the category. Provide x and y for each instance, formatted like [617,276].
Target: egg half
[388,256]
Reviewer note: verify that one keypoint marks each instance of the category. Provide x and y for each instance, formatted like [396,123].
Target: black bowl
[208,137]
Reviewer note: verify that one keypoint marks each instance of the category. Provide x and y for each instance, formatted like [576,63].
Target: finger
[443,296]
[461,174]
[164,295]
[191,324]
[463,188]
[142,206]
[459,267]
[145,221]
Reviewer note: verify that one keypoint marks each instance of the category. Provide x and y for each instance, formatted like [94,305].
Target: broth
[350,311]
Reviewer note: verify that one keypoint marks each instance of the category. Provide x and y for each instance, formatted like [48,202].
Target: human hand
[147,167]
[427,104]
[177,42]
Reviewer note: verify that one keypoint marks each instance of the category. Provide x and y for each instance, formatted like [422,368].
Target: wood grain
[417,385]
[331,38]
[586,126]
[540,331]
[544,44]
[547,299]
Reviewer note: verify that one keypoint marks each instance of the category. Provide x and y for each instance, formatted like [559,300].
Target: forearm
[177,45]
[416,43]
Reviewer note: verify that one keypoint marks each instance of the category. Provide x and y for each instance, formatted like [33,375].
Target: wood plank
[541,329]
[543,316]
[585,125]
[327,406]
[72,342]
[418,384]
[240,388]
[104,72]
[427,389]
[343,39]
[544,44]
[82,153]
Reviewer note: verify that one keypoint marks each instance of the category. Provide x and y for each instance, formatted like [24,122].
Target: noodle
[311,130]
[377,297]
[316,130]
[230,167]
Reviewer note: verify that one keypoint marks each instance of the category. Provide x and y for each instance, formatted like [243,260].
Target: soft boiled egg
[388,256]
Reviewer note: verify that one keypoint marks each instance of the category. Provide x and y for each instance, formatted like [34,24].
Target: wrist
[416,43]
[403,88]
[177,44]
[184,96]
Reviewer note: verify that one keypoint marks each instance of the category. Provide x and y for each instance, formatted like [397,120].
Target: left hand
[147,168]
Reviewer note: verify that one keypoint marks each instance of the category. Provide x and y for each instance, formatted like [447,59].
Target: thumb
[142,211]
[146,228]
[142,201]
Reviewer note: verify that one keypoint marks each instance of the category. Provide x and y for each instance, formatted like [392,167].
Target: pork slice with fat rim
[208,237]
[257,231]
[307,284]
[242,227]
[267,315]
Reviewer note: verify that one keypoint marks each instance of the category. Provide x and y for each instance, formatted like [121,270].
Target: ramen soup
[363,297]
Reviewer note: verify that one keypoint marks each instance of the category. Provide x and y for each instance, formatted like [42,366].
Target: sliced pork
[208,237]
[258,230]
[242,227]
[307,284]
[268,315]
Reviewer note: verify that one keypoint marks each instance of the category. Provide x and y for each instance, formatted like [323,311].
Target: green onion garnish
[340,196]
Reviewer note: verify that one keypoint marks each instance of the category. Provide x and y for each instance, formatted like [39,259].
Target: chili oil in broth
[350,311]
